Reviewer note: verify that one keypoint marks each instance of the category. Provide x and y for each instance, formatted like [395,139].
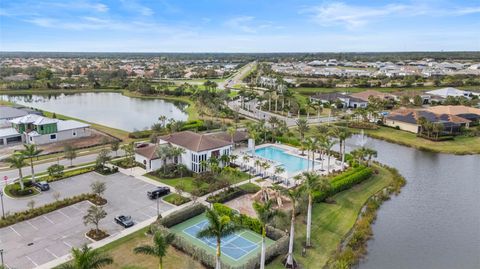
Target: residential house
[347,101]
[365,95]
[36,129]
[407,120]
[446,92]
[197,148]
[469,113]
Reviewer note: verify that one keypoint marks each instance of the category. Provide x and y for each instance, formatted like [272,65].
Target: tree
[103,157]
[417,100]
[158,249]
[294,195]
[70,153]
[327,144]
[163,119]
[370,153]
[30,151]
[98,188]
[31,204]
[129,150]
[164,153]
[94,215]
[218,227]
[342,134]
[17,161]
[56,195]
[302,127]
[231,132]
[55,170]
[115,146]
[87,258]
[265,213]
[311,183]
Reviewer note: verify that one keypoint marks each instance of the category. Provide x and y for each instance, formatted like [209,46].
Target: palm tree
[327,145]
[265,213]
[17,161]
[279,170]
[163,119]
[302,127]
[31,152]
[176,152]
[311,183]
[294,195]
[257,164]
[231,131]
[164,153]
[370,153]
[218,227]
[342,134]
[159,248]
[87,258]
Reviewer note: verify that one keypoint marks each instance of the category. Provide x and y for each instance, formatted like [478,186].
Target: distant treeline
[274,57]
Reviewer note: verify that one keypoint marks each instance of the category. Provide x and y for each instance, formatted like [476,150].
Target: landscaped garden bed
[37,211]
[14,190]
[232,193]
[176,199]
[96,235]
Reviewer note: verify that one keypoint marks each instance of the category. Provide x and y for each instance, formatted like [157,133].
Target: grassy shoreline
[332,222]
[461,145]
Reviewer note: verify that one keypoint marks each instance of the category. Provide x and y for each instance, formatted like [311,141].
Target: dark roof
[239,136]
[7,112]
[411,116]
[195,142]
[333,96]
[148,151]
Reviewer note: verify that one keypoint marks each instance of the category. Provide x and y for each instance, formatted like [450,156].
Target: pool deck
[287,179]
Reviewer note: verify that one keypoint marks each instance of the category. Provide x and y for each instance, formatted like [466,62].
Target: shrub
[343,182]
[250,188]
[176,199]
[105,170]
[35,212]
[55,171]
[241,219]
[182,215]
[140,134]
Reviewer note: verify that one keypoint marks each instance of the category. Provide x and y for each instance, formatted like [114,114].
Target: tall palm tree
[87,258]
[302,127]
[327,145]
[342,134]
[163,119]
[159,248]
[265,213]
[17,161]
[311,183]
[164,153]
[294,195]
[231,132]
[218,227]
[370,153]
[30,151]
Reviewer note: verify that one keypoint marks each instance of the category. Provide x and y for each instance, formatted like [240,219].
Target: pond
[106,108]
[435,221]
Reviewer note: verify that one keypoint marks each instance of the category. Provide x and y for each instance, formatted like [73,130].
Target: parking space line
[15,231]
[34,263]
[60,211]
[67,244]
[49,220]
[53,254]
[145,214]
[32,225]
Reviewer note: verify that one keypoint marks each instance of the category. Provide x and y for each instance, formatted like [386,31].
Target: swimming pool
[291,163]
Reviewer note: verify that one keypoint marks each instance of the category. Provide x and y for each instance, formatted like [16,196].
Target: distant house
[407,120]
[36,129]
[9,113]
[469,113]
[198,148]
[365,95]
[446,92]
[347,101]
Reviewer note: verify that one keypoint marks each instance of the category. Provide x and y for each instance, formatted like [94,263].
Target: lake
[106,108]
[435,221]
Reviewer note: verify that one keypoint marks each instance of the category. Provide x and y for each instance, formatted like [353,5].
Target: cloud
[247,24]
[135,6]
[356,16]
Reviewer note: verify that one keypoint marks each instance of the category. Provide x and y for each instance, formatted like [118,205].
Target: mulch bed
[97,235]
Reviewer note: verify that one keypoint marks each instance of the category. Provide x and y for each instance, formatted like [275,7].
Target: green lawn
[175,199]
[188,181]
[331,222]
[460,145]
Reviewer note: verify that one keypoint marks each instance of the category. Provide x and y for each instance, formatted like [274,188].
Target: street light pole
[1,255]
[3,209]
[158,206]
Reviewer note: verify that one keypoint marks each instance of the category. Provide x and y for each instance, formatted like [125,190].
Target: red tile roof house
[198,148]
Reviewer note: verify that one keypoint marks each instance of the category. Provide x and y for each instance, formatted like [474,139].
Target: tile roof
[239,136]
[412,115]
[148,151]
[195,142]
[454,110]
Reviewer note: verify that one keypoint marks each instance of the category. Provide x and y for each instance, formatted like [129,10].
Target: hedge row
[232,193]
[70,173]
[208,258]
[180,216]
[347,173]
[35,212]
[240,219]
[344,183]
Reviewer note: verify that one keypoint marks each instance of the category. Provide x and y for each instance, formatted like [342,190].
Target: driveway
[36,241]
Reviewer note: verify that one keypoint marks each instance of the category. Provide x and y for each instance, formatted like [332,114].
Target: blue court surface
[235,246]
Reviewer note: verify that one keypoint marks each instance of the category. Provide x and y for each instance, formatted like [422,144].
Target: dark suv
[158,192]
[42,185]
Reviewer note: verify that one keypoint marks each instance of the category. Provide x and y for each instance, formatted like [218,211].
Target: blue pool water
[291,163]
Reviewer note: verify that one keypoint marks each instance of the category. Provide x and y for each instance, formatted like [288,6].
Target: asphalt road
[36,241]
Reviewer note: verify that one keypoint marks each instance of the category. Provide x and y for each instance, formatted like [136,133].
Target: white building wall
[60,136]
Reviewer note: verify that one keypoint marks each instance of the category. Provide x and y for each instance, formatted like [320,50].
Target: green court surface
[237,249]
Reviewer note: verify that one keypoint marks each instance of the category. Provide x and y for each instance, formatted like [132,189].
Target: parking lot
[44,238]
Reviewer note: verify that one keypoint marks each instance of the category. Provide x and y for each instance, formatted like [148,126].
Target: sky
[239,25]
